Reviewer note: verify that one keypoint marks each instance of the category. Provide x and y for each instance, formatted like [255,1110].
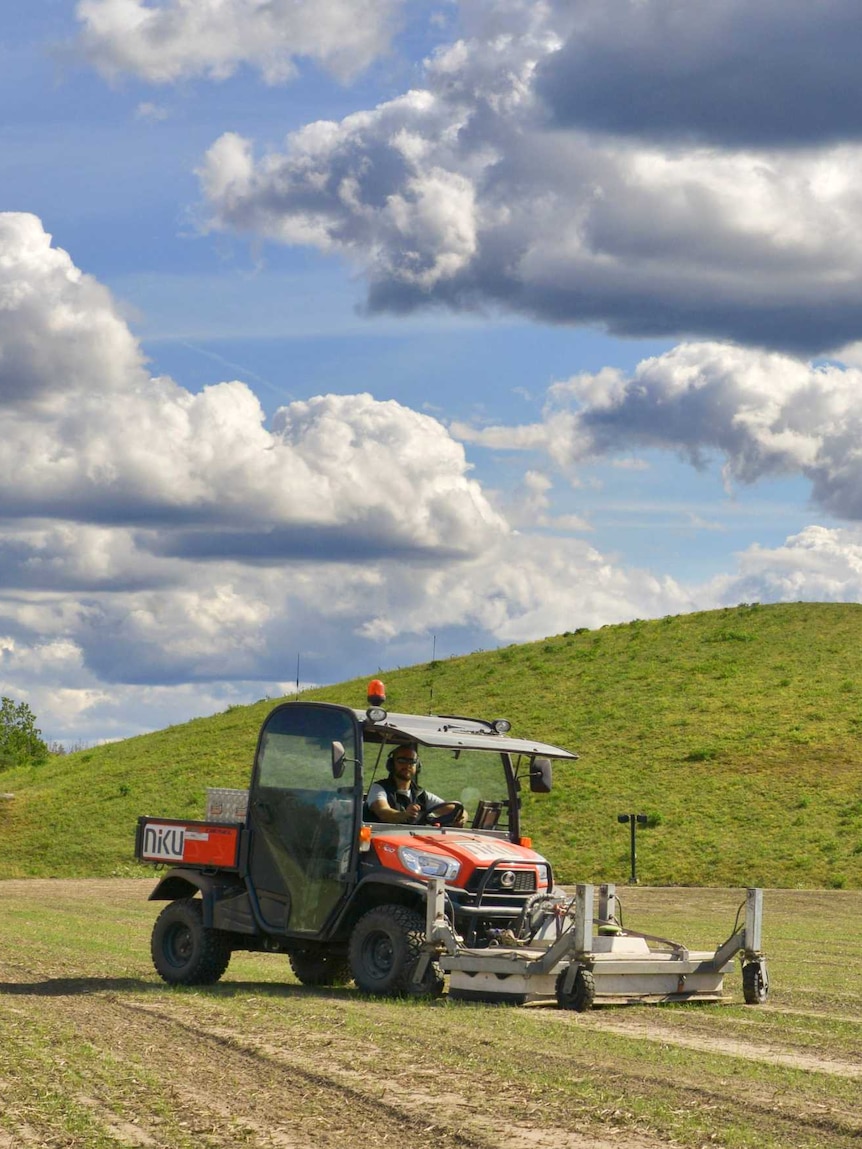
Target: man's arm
[379,806]
[383,812]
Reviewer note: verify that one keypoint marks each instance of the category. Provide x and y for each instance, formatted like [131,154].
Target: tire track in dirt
[270,1058]
[218,1081]
[748,1051]
[123,1131]
[195,1056]
[399,1107]
[243,1082]
[773,1110]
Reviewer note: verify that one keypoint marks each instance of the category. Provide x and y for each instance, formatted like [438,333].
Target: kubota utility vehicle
[297,865]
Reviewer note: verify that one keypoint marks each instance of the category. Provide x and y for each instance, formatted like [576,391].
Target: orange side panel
[192,843]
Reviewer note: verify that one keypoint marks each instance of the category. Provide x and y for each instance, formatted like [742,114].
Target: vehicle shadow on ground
[81,986]
[75,986]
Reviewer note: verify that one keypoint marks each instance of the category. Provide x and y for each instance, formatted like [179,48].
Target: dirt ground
[93,1058]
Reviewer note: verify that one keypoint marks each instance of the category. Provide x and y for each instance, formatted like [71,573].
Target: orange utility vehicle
[297,865]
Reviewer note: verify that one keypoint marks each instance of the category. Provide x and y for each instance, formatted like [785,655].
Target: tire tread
[212,950]
[411,929]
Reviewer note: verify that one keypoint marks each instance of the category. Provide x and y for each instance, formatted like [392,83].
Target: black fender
[183,883]
[377,888]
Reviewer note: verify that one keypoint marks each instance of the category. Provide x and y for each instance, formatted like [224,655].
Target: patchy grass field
[95,1052]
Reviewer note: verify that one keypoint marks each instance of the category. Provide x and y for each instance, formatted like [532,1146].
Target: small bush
[704,754]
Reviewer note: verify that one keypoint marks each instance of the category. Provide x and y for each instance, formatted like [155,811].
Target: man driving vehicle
[398,797]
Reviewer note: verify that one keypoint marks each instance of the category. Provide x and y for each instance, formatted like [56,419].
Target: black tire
[184,951]
[384,947]
[582,994]
[320,968]
[755,987]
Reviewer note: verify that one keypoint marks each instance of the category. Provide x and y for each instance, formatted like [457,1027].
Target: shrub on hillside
[21,741]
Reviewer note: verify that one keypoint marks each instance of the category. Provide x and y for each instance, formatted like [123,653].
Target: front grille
[524,881]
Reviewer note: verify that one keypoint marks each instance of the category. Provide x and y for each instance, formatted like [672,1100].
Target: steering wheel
[443,814]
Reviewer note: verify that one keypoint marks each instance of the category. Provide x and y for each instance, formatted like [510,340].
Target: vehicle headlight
[428,865]
[543,874]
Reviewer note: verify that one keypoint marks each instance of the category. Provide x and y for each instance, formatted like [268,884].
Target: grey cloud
[134,662]
[767,73]
[74,559]
[298,543]
[763,413]
[768,414]
[460,194]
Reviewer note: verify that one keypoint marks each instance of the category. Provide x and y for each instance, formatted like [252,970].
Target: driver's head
[404,763]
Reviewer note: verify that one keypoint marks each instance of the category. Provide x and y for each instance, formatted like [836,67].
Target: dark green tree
[21,741]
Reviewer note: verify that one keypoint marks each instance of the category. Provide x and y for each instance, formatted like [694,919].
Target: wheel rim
[179,945]
[378,955]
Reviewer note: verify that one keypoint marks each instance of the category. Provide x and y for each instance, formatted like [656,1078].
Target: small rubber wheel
[184,951]
[320,968]
[384,947]
[582,994]
[755,986]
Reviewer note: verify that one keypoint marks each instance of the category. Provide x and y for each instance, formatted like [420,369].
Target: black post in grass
[634,821]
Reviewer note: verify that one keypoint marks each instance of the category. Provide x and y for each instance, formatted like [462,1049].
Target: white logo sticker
[482,849]
[164,843]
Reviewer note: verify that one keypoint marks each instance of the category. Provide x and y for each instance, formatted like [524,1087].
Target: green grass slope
[738,732]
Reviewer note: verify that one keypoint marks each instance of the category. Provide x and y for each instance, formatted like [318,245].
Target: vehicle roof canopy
[453,732]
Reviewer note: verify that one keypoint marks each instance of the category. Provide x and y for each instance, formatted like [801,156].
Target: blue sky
[337,329]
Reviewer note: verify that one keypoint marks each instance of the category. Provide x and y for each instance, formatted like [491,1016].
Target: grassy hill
[738,732]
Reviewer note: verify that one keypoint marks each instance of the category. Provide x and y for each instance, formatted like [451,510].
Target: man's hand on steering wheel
[443,814]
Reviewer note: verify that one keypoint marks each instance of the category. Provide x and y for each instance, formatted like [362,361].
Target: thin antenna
[297,674]
[431,679]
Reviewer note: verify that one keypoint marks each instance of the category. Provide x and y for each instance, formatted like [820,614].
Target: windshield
[465,776]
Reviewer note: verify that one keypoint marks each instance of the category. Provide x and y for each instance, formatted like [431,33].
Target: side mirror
[338,759]
[541,776]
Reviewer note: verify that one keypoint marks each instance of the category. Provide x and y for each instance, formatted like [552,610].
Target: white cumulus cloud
[163,41]
[89,436]
[818,564]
